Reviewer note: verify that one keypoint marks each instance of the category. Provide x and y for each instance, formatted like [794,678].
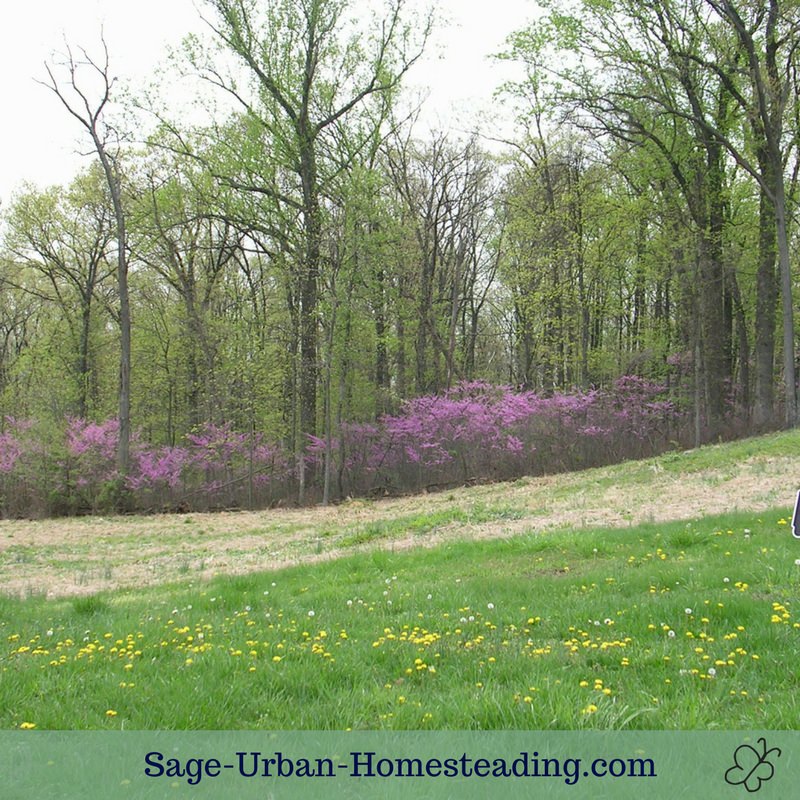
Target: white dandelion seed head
[797,562]
[712,672]
[430,597]
[688,610]
[349,602]
[726,580]
[490,606]
[671,634]
[311,613]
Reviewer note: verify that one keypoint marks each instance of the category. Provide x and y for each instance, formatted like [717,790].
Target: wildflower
[490,606]
[27,726]
[711,672]
[797,562]
[111,713]
[688,610]
[311,613]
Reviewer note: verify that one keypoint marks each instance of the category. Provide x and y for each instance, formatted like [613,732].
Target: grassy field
[660,626]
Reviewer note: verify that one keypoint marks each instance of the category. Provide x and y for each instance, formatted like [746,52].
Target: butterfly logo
[750,767]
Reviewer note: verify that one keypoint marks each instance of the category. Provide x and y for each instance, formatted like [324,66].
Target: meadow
[668,625]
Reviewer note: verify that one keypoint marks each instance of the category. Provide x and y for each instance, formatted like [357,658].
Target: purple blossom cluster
[78,465]
[473,432]
[478,432]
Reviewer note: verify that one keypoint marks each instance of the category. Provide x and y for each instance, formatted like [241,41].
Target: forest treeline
[304,270]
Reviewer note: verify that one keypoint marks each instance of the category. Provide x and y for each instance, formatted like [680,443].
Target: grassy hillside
[86,555]
[674,624]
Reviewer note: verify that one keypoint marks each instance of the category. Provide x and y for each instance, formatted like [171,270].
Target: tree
[88,107]
[767,33]
[637,73]
[185,238]
[65,237]
[312,72]
[447,191]
[721,74]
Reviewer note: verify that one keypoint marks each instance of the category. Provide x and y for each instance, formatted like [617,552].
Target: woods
[306,296]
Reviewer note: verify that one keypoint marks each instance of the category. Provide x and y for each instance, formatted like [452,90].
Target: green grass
[419,524]
[663,626]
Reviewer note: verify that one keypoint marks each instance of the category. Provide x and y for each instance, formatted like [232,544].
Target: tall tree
[309,70]
[635,72]
[65,237]
[767,38]
[87,104]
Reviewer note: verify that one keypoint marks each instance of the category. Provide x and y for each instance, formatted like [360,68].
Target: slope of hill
[85,555]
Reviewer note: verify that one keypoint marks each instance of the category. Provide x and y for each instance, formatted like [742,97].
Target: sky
[40,142]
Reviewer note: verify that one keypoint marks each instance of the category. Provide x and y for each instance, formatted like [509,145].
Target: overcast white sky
[39,141]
